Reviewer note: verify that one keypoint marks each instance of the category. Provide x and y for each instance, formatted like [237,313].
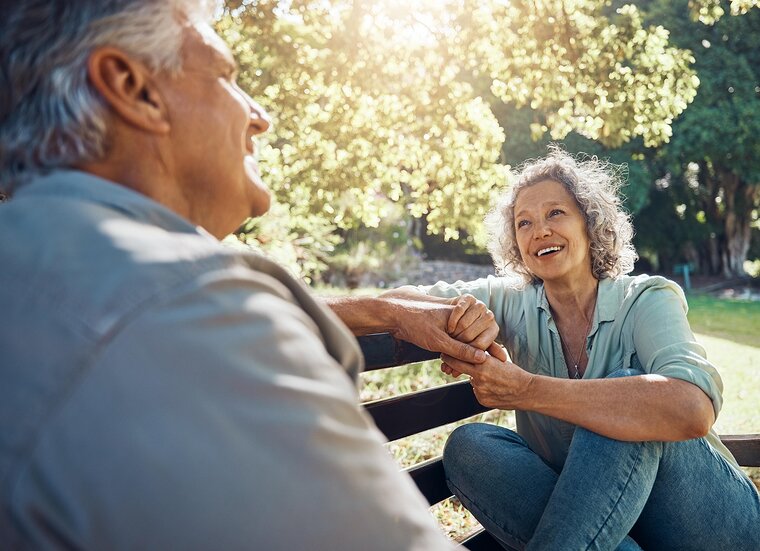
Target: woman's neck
[573,300]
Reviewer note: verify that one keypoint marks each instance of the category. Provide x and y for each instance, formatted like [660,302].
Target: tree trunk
[727,201]
[739,197]
[709,191]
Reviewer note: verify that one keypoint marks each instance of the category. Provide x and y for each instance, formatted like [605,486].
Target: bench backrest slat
[744,447]
[381,350]
[415,412]
[431,480]
[482,541]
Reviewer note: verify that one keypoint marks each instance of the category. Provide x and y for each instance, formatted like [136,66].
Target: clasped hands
[496,382]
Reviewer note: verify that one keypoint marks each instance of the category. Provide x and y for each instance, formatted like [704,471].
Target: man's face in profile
[213,124]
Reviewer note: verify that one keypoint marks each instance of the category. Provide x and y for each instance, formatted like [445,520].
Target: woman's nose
[541,230]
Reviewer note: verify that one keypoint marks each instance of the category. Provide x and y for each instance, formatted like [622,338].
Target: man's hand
[472,322]
[425,324]
[408,315]
[497,382]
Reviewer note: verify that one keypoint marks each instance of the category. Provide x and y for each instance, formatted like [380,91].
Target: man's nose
[260,120]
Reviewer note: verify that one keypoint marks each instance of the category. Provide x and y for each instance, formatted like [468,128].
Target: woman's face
[551,233]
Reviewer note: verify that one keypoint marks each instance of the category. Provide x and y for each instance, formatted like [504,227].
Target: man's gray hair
[594,184]
[50,115]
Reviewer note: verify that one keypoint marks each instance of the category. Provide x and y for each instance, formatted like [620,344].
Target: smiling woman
[591,186]
[614,398]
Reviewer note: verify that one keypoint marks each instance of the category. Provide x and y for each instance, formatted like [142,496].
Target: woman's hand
[497,383]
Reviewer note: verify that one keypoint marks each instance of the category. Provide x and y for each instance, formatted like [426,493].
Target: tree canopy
[389,102]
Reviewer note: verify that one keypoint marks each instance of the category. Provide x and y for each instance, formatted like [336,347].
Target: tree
[391,99]
[709,11]
[714,155]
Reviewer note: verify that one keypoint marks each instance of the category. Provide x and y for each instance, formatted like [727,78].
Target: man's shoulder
[93,262]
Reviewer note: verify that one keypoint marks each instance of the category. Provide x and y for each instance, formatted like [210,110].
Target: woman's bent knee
[474,444]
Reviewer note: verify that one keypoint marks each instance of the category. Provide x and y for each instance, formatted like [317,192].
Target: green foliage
[608,78]
[714,155]
[519,146]
[395,100]
[361,112]
[300,241]
[709,11]
[373,256]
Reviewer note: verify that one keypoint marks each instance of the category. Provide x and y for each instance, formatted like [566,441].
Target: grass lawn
[730,332]
[735,320]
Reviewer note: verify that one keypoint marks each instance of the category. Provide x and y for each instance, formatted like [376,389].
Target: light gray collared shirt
[160,391]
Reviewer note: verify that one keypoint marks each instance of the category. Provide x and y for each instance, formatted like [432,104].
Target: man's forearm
[407,315]
[363,314]
[381,314]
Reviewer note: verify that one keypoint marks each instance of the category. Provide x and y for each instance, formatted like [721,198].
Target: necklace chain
[577,373]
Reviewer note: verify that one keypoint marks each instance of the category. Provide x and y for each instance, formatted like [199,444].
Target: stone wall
[432,271]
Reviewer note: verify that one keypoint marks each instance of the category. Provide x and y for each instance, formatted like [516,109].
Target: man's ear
[128,88]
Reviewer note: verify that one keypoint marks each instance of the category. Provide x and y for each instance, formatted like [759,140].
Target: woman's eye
[555,212]
[522,223]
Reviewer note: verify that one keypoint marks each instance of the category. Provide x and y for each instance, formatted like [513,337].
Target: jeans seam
[459,492]
[617,502]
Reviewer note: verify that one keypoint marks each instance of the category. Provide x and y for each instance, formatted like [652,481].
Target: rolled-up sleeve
[665,344]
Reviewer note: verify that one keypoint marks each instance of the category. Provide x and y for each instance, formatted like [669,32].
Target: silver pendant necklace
[576,374]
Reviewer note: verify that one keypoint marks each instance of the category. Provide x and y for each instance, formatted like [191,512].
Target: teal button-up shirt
[639,322]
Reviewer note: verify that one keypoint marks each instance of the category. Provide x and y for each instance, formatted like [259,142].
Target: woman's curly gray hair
[594,185]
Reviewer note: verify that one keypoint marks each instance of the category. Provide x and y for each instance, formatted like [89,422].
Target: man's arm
[411,316]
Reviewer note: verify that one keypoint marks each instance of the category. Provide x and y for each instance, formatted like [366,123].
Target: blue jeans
[609,495]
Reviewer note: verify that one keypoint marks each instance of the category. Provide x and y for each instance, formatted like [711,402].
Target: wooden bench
[401,416]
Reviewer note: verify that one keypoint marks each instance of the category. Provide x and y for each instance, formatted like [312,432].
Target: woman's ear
[128,88]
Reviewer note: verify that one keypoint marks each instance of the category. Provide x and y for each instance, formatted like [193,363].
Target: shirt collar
[87,187]
[607,300]
[607,303]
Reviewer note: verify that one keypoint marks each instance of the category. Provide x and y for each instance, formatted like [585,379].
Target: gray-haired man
[158,391]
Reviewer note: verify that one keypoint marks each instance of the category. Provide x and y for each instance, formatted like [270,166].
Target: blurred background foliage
[396,122]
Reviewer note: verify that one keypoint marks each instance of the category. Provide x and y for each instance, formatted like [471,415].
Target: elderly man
[158,391]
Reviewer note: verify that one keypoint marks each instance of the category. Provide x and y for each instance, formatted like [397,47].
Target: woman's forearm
[638,408]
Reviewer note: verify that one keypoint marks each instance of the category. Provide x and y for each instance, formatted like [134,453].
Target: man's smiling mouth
[549,250]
